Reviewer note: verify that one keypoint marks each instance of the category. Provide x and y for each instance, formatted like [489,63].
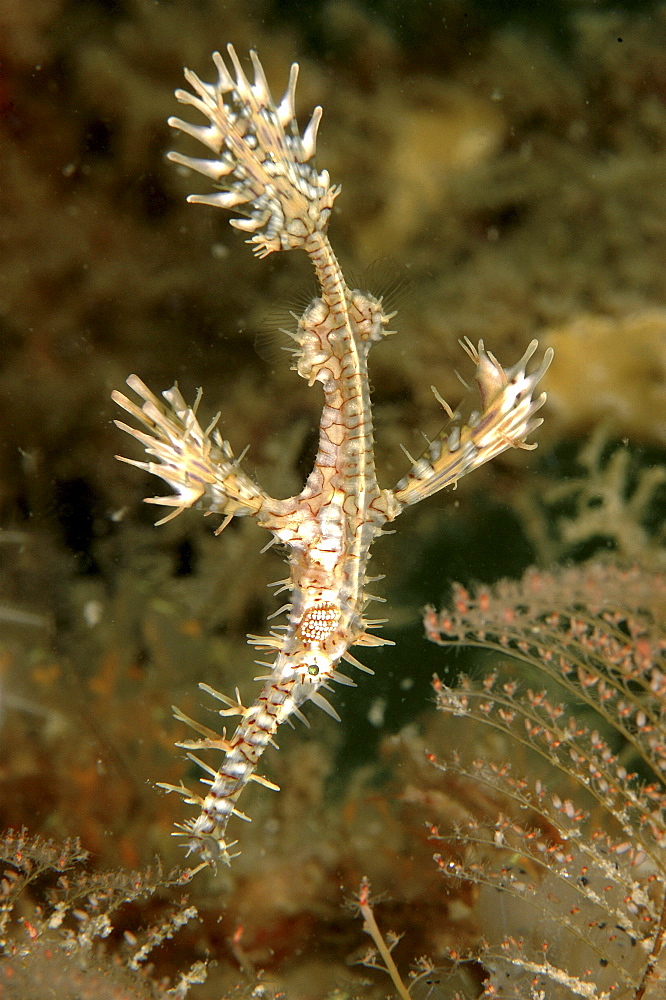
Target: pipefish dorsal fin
[388,280]
[273,339]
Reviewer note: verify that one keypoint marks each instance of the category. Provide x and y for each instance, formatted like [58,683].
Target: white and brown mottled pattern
[265,170]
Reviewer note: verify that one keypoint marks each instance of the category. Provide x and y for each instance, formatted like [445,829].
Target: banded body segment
[341,492]
[335,356]
[205,835]
[304,665]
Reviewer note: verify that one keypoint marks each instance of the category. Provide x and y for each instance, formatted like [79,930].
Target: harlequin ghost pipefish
[264,168]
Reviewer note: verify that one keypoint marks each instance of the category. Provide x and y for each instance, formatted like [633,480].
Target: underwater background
[503,177]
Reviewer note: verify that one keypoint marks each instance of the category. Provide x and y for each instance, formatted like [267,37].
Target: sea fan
[571,873]
[54,916]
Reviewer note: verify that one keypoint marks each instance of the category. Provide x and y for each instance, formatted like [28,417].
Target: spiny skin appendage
[265,168]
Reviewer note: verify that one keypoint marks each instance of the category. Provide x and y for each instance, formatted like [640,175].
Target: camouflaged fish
[264,169]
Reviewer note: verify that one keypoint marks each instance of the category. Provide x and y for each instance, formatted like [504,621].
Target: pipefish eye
[313,670]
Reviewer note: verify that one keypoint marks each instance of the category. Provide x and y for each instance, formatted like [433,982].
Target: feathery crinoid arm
[198,464]
[505,420]
[261,163]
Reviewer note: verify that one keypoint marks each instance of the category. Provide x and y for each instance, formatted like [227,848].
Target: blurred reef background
[503,174]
